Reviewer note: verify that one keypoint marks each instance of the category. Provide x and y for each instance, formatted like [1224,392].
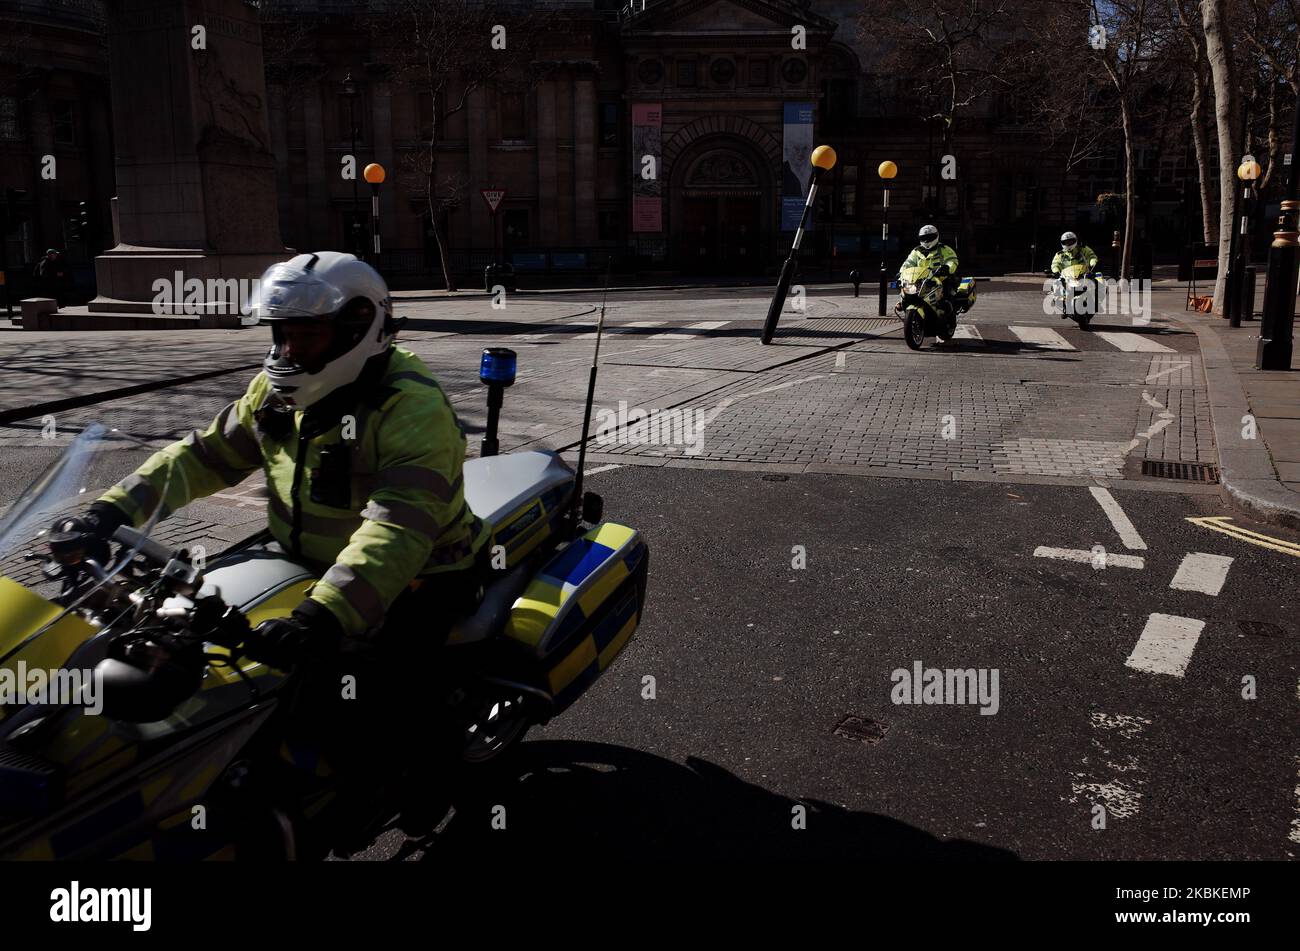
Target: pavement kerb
[1246,474]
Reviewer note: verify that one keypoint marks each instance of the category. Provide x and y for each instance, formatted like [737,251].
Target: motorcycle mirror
[136,695]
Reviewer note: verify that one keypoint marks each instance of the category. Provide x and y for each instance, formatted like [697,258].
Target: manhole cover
[1260,628]
[1183,471]
[862,729]
[776,477]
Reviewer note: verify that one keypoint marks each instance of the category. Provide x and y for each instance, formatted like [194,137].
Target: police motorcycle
[1079,295]
[164,741]
[924,308]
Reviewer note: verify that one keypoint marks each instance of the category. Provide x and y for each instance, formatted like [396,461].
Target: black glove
[941,271]
[311,631]
[86,536]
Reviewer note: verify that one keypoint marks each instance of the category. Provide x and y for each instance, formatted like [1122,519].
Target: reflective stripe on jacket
[939,254]
[1079,254]
[378,497]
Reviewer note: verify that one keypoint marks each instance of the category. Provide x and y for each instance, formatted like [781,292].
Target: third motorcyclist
[1073,252]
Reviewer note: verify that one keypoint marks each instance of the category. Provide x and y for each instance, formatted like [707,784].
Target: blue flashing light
[497,366]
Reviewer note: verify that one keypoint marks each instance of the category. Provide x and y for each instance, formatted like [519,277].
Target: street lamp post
[374,174]
[823,159]
[1274,349]
[350,91]
[1247,172]
[886,171]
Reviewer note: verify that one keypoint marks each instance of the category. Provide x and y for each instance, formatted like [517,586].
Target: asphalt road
[774,685]
[756,664]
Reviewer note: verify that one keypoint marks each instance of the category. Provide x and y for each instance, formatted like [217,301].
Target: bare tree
[1187,17]
[1126,50]
[442,51]
[955,54]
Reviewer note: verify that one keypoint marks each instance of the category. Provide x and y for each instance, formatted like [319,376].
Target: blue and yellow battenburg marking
[525,529]
[579,612]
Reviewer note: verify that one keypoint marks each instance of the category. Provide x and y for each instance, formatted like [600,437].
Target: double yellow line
[1219,523]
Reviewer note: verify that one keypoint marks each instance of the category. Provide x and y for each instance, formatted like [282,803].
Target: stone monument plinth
[195,173]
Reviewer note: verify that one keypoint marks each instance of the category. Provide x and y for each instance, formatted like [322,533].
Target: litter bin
[503,274]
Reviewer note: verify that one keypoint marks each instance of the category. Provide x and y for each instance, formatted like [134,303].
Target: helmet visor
[289,292]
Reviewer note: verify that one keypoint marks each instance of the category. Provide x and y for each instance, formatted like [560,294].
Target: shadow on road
[599,800]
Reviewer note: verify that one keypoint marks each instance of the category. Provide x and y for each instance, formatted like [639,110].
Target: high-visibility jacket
[1079,254]
[377,496]
[939,254]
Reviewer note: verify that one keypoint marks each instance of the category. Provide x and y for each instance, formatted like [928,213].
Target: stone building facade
[718,92]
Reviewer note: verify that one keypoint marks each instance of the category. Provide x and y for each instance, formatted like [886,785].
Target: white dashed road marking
[967,332]
[588,472]
[1086,557]
[1127,533]
[1133,343]
[1166,645]
[1041,338]
[1202,572]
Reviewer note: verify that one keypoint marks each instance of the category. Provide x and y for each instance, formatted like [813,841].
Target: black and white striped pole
[823,160]
[374,174]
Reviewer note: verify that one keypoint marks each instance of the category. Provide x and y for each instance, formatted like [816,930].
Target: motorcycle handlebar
[143,544]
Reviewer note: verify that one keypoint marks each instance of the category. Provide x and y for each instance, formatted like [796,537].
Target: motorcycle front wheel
[914,330]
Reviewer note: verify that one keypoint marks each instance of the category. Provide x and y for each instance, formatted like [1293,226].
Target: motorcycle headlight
[1078,285]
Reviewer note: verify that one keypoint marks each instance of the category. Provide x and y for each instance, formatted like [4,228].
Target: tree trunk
[1218,50]
[1130,193]
[431,180]
[1200,121]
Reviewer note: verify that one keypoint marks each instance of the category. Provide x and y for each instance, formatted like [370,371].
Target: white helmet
[1069,239]
[929,237]
[331,287]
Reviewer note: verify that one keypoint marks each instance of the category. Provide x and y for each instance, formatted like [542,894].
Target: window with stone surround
[609,124]
[63,118]
[514,116]
[10,124]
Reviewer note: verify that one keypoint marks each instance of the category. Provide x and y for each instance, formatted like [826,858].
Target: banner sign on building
[796,167]
[647,156]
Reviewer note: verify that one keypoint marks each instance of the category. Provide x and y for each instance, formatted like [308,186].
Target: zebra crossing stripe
[1041,338]
[1202,572]
[967,332]
[701,326]
[1133,343]
[621,328]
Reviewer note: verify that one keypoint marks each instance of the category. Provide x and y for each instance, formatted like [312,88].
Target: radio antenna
[591,394]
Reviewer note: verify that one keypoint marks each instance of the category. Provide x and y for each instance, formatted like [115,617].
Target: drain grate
[1260,628]
[1184,471]
[776,477]
[862,729]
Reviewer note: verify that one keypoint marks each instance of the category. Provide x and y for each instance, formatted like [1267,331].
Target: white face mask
[929,243]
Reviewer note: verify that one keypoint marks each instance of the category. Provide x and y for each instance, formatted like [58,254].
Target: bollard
[1247,309]
[856,277]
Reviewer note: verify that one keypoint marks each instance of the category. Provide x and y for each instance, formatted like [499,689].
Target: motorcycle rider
[938,257]
[362,455]
[1072,252]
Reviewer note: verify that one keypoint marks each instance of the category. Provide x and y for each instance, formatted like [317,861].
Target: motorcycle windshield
[914,275]
[92,461]
[1074,272]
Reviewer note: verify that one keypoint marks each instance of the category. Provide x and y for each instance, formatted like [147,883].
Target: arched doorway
[720,213]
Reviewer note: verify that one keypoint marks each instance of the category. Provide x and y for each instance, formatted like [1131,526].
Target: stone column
[480,171]
[547,223]
[195,173]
